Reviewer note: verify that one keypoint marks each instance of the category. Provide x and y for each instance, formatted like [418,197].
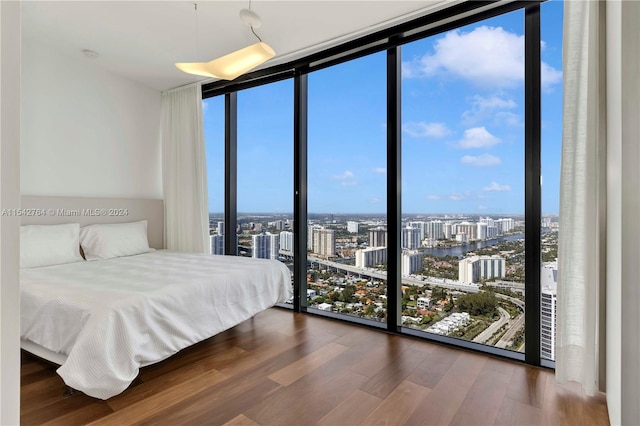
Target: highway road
[369,272]
[514,326]
[489,331]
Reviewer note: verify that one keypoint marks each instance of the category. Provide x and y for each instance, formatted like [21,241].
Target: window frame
[391,40]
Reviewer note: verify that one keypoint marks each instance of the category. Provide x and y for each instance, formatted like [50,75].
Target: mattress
[110,317]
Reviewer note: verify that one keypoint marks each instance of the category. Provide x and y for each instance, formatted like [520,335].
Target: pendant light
[236,63]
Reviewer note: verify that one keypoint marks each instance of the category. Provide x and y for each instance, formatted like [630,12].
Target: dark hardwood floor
[281,368]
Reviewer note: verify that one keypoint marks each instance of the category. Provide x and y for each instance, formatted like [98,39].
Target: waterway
[461,250]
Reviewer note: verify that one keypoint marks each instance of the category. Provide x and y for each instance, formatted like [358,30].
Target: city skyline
[462,128]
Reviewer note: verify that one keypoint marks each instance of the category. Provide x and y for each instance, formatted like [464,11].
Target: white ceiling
[141,40]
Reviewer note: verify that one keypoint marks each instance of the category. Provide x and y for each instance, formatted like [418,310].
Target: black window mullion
[532,208]
[394,186]
[300,192]
[231,173]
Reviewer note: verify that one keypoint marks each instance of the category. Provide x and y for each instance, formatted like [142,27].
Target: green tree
[370,310]
[479,304]
[438,293]
[347,293]
[449,305]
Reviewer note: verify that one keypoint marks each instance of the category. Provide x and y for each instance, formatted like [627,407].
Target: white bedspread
[113,316]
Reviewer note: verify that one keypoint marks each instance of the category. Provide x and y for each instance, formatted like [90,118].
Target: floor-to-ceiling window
[213,119]
[265,172]
[551,34]
[346,227]
[463,183]
[467,178]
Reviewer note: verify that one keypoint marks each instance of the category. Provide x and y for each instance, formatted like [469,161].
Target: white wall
[9,199]
[85,131]
[630,306]
[623,203]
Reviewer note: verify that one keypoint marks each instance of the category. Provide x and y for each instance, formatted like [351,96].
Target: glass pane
[347,189]
[463,183]
[265,172]
[213,120]
[551,34]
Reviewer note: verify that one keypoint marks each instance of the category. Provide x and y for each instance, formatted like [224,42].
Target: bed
[103,320]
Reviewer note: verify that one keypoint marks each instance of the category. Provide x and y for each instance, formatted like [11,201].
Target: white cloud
[481,207]
[380,170]
[425,130]
[375,200]
[433,197]
[496,187]
[456,197]
[477,137]
[508,118]
[486,56]
[483,160]
[549,75]
[411,69]
[493,102]
[346,175]
[347,178]
[483,108]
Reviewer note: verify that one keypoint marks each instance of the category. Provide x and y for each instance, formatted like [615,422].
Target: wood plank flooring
[280,368]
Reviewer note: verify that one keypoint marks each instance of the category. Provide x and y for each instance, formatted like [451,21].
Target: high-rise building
[377,237]
[324,242]
[278,224]
[473,269]
[266,246]
[220,228]
[436,229]
[371,256]
[481,230]
[310,229]
[422,226]
[216,244]
[411,238]
[286,242]
[353,227]
[468,228]
[411,262]
[504,225]
[488,220]
[548,294]
[446,229]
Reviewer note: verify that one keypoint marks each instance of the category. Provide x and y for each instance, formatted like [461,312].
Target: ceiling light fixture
[234,64]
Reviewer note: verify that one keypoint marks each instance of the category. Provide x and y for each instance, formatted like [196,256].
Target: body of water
[460,251]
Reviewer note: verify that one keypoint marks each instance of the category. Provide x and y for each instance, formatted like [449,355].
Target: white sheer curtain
[184,173]
[582,197]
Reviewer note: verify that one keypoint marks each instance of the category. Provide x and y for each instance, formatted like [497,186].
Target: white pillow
[106,241]
[44,245]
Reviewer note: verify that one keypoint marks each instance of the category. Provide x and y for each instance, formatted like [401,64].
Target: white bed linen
[110,317]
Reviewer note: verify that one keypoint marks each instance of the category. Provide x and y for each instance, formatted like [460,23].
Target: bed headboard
[43,210]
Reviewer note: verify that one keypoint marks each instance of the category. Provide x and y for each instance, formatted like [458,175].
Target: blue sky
[462,118]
